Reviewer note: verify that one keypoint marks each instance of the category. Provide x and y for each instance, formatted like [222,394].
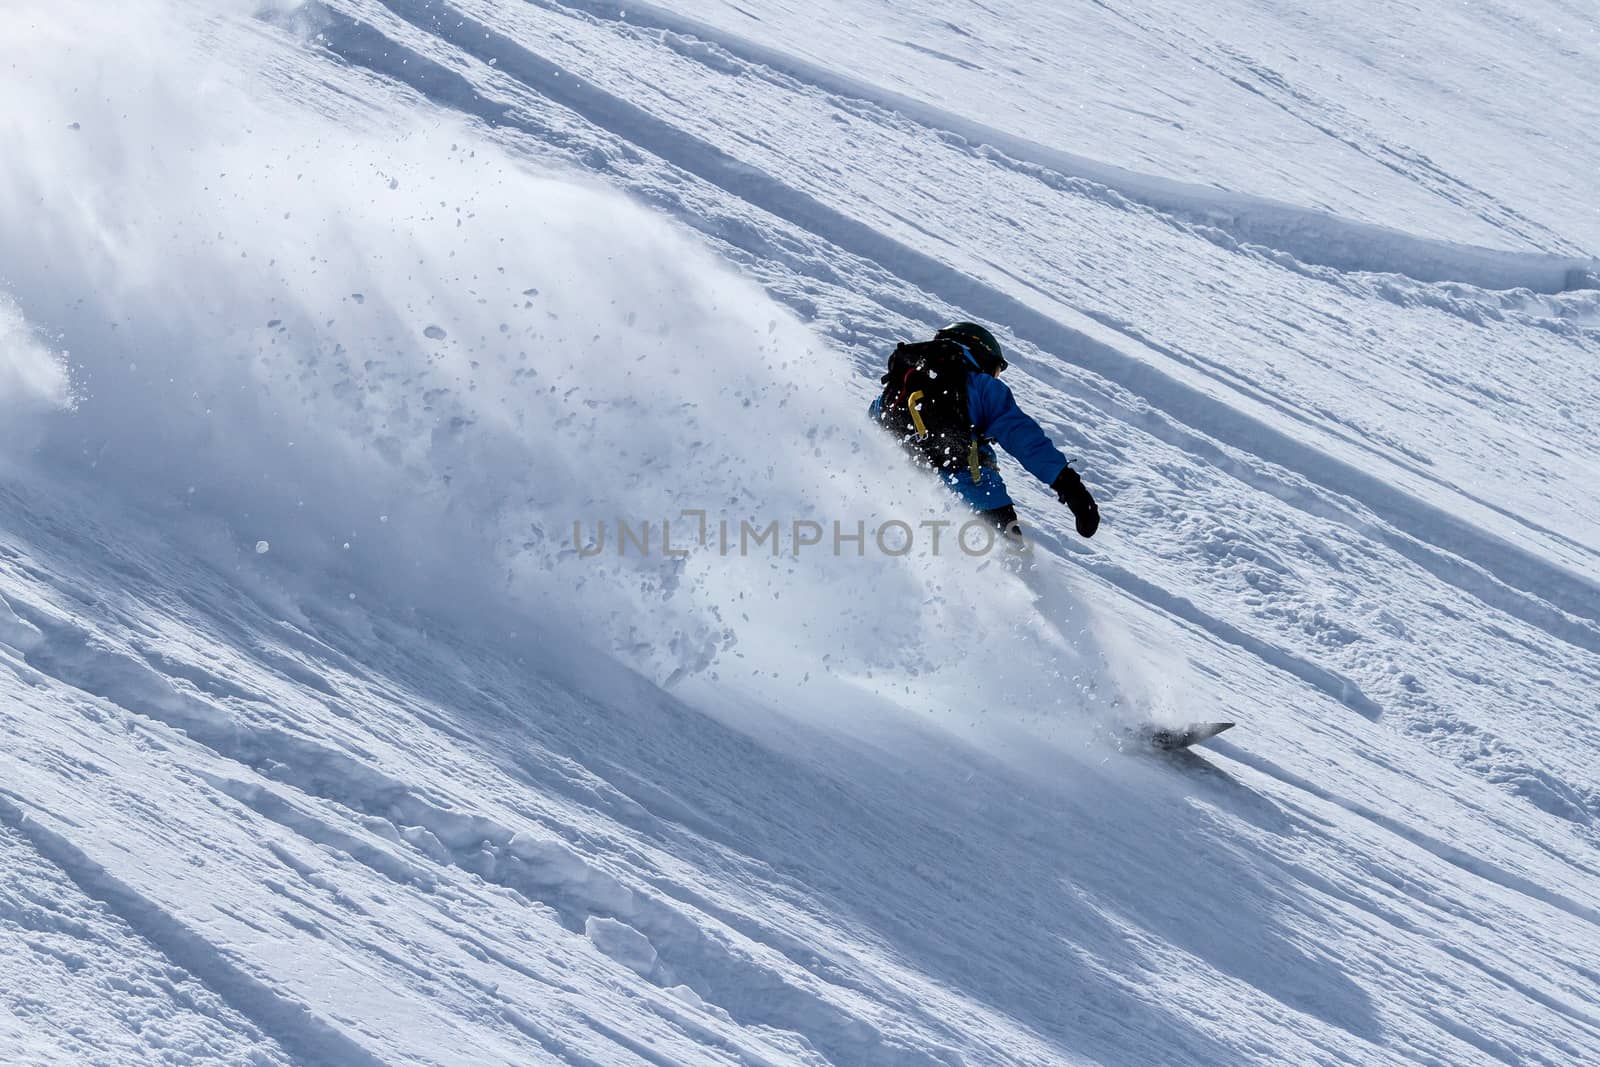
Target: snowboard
[1174,738]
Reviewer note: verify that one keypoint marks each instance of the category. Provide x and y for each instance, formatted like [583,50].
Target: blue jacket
[996,417]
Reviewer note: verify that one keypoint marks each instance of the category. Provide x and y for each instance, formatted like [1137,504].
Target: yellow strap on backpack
[916,416]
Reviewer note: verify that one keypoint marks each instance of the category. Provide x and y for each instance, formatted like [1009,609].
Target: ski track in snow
[90,968]
[1311,236]
[307,1037]
[247,820]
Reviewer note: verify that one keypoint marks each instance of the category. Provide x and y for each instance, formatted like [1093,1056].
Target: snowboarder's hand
[1070,491]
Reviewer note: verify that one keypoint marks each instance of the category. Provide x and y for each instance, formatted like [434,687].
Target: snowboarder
[943,399]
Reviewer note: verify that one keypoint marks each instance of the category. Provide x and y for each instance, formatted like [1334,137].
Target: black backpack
[925,406]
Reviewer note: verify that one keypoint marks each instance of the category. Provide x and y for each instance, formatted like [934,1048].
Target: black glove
[1070,491]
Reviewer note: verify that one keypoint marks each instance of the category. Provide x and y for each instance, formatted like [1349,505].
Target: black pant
[1001,518]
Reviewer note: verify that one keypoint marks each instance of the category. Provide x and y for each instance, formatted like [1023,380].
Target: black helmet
[979,341]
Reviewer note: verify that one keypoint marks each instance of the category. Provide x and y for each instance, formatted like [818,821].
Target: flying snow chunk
[262,548]
[434,332]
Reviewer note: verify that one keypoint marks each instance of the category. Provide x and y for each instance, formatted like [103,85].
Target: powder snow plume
[416,367]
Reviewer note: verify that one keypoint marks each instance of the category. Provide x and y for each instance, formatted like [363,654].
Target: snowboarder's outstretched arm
[995,414]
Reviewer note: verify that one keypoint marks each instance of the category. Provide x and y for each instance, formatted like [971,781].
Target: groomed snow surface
[322,324]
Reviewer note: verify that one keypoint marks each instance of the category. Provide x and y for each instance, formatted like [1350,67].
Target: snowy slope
[321,324]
